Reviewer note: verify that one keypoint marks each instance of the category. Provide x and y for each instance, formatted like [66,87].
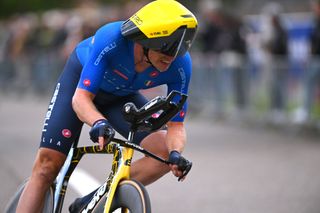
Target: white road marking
[83,183]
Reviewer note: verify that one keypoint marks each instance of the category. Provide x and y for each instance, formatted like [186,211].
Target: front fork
[120,171]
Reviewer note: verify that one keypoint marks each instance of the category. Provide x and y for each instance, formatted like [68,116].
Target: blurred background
[257,60]
[254,102]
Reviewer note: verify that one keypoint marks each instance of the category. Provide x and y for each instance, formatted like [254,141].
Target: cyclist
[103,73]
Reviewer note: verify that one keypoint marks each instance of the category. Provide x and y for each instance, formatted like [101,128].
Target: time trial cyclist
[103,73]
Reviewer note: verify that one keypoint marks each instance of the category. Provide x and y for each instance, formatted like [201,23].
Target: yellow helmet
[162,25]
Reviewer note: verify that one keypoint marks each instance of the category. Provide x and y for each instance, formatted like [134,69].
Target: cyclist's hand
[180,166]
[101,132]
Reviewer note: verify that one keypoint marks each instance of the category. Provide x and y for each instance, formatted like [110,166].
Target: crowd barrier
[225,85]
[279,90]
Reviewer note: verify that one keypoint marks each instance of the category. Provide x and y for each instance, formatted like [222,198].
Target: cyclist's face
[161,61]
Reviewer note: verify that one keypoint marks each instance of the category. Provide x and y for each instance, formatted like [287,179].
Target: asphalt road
[236,169]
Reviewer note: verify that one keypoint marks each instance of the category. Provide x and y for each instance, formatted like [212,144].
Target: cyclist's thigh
[113,113]
[62,126]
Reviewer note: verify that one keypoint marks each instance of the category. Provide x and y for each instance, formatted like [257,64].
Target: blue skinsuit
[104,65]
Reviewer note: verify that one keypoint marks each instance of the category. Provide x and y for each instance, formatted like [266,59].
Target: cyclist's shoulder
[108,34]
[184,60]
[182,63]
[111,28]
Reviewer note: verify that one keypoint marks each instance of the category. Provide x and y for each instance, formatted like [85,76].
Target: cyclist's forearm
[85,109]
[176,136]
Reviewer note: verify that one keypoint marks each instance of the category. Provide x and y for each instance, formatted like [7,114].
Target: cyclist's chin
[162,66]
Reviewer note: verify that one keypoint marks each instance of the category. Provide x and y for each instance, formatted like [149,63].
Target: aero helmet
[165,26]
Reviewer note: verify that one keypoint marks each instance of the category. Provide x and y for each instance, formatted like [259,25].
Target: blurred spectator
[46,45]
[20,28]
[312,77]
[235,60]
[275,43]
[224,46]
[7,73]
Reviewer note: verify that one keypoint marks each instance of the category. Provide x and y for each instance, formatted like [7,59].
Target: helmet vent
[187,16]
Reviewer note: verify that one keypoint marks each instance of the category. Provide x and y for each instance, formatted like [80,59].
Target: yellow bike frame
[120,171]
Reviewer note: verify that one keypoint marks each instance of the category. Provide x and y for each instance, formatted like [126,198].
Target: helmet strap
[146,53]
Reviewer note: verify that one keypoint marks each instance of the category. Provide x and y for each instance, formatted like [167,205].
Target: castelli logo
[154,74]
[66,133]
[182,114]
[86,82]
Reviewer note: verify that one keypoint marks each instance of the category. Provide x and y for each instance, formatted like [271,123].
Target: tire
[13,202]
[130,194]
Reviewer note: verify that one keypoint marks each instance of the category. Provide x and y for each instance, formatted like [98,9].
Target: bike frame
[122,157]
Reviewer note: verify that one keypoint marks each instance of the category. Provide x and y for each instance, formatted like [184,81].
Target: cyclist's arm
[176,140]
[176,136]
[85,109]
[83,106]
[180,82]
[91,77]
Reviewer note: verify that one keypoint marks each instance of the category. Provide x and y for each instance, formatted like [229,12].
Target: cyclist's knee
[47,166]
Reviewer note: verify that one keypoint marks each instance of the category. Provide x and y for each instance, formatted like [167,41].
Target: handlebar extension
[143,120]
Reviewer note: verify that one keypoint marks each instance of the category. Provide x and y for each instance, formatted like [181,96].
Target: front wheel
[133,196]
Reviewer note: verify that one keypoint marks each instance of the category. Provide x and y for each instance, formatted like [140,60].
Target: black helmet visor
[176,44]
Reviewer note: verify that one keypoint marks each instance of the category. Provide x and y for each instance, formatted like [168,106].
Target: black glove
[101,128]
[183,164]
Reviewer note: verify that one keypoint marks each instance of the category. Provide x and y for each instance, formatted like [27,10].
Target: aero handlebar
[155,113]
